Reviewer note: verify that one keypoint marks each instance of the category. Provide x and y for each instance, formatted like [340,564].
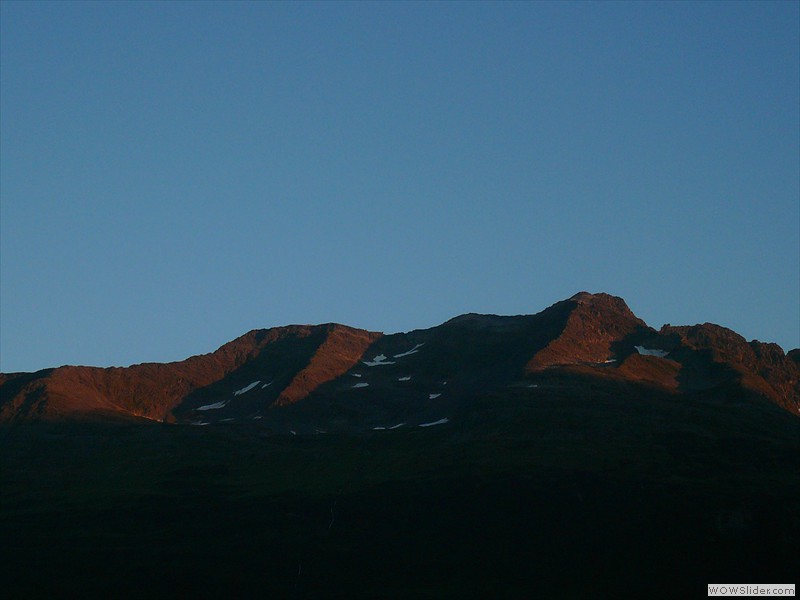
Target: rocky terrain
[338,372]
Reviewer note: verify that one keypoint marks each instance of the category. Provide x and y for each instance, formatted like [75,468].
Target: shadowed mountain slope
[314,374]
[299,357]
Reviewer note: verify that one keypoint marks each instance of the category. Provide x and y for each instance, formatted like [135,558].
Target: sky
[173,175]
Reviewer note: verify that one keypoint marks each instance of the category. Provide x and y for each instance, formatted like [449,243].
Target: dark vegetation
[530,493]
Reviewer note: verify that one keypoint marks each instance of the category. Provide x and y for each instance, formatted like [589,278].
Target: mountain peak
[343,370]
[594,325]
[582,297]
[601,300]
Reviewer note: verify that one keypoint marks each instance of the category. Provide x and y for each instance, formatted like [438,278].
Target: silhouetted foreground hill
[341,374]
[553,495]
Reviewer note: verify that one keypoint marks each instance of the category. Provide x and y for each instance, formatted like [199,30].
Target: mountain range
[572,453]
[306,378]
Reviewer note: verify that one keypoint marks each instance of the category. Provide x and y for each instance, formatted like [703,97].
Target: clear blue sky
[175,174]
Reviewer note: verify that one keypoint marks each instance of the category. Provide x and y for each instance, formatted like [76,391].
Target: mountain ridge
[573,452]
[594,336]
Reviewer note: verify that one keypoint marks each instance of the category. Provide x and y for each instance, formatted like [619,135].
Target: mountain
[317,377]
[572,453]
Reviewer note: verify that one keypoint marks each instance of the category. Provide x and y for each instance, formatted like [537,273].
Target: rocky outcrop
[595,325]
[716,352]
[341,350]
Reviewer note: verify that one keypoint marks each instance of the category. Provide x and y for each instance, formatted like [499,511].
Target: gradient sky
[176,174]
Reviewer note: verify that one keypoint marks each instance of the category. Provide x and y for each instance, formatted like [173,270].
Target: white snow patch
[266,385]
[361,385]
[432,396]
[379,360]
[214,406]
[651,351]
[201,423]
[609,361]
[404,379]
[439,422]
[246,389]
[414,350]
[379,428]
[533,385]
[356,374]
[258,417]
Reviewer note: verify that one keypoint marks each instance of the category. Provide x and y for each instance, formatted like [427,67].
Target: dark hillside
[552,493]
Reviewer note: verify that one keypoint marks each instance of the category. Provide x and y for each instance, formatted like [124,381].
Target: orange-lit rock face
[152,390]
[596,323]
[590,337]
[341,350]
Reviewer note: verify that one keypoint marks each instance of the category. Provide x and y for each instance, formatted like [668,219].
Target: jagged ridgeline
[304,379]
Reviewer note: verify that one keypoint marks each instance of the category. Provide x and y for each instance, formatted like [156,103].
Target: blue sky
[175,174]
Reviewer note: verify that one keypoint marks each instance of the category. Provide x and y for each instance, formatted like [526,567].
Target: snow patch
[379,428]
[379,360]
[432,396]
[361,385]
[266,385]
[651,351]
[404,379]
[258,417]
[246,389]
[356,374]
[414,350]
[214,406]
[439,422]
[533,385]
